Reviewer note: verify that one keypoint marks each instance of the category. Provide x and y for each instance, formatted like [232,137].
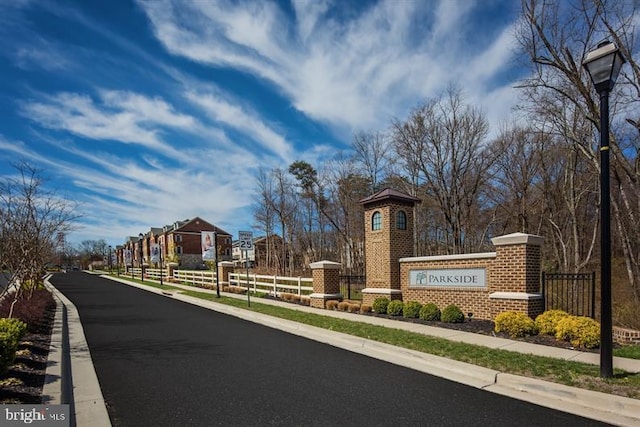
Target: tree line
[538,174]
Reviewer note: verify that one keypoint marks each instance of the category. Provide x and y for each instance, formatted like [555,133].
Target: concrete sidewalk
[599,406]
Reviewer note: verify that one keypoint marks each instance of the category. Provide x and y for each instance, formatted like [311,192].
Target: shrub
[380,305]
[11,332]
[430,311]
[411,310]
[305,300]
[548,321]
[30,307]
[452,314]
[515,324]
[365,308]
[579,330]
[395,308]
[331,304]
[353,308]
[343,306]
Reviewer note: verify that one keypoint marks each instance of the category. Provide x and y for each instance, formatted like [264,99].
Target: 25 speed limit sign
[246,240]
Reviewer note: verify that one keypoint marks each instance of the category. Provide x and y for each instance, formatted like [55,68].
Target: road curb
[592,404]
[88,403]
[52,388]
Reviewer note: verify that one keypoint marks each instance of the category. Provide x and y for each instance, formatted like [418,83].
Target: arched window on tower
[401,220]
[376,221]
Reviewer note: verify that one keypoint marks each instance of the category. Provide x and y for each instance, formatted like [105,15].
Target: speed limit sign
[246,240]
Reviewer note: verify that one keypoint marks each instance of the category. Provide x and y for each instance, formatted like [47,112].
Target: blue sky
[148,112]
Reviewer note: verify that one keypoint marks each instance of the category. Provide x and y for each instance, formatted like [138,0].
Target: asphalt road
[161,362]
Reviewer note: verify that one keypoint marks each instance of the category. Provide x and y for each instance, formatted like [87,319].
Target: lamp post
[603,65]
[140,237]
[160,257]
[109,259]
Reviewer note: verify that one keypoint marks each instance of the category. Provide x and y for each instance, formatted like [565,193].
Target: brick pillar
[515,275]
[326,282]
[224,268]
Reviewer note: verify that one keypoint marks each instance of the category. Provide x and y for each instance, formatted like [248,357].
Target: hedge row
[416,310]
[580,331]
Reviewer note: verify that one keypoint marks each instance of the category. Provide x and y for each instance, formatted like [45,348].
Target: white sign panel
[155,253]
[127,256]
[208,240]
[460,277]
[246,240]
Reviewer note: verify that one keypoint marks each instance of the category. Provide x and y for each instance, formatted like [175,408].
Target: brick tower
[388,236]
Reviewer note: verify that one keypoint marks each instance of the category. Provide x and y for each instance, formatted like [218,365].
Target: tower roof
[390,194]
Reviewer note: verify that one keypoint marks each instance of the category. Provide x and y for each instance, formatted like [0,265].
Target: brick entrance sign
[484,284]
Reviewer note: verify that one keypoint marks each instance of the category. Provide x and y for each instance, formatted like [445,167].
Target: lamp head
[603,65]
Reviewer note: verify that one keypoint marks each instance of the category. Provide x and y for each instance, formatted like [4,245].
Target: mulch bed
[487,327]
[23,381]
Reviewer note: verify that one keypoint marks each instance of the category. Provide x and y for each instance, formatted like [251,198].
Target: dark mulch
[24,380]
[487,327]
[478,326]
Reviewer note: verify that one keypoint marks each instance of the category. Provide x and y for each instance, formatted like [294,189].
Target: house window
[179,250]
[401,220]
[177,238]
[376,221]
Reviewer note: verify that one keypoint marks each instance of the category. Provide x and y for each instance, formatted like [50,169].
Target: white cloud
[122,116]
[352,73]
[250,124]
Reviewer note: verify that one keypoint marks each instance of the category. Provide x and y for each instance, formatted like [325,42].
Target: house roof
[390,194]
[204,226]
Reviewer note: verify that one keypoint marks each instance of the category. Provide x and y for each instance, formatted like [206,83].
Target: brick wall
[512,279]
[470,299]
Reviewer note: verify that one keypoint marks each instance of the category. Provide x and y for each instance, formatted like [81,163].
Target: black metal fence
[574,293]
[351,286]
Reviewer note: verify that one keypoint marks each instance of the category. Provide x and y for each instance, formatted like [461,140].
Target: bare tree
[265,217]
[30,219]
[371,154]
[555,36]
[446,140]
[515,177]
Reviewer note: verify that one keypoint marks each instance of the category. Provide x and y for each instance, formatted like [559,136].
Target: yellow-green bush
[515,324]
[380,305]
[580,331]
[395,308]
[411,309]
[11,332]
[452,314]
[430,311]
[548,321]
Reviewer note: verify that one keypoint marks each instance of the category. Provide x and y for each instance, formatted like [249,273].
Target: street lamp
[160,255]
[109,259]
[603,65]
[140,237]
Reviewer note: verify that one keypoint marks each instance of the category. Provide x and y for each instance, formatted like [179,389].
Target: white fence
[199,278]
[274,285]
